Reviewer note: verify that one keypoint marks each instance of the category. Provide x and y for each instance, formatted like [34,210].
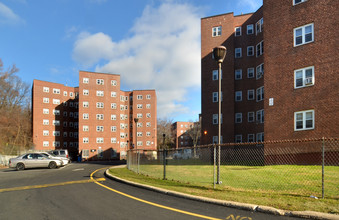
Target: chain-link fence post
[164,162]
[214,163]
[323,168]
[138,160]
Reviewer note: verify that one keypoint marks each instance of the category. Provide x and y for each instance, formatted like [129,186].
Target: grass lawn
[287,187]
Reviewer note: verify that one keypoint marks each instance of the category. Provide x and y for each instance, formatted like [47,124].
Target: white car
[64,160]
[34,160]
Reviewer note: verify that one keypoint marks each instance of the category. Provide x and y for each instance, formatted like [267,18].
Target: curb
[237,205]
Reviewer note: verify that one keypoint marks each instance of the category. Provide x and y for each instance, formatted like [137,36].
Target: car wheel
[52,165]
[20,166]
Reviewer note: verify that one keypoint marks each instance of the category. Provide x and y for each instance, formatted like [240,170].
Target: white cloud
[7,16]
[162,54]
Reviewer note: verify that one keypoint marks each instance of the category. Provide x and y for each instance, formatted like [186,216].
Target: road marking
[78,169]
[151,203]
[51,185]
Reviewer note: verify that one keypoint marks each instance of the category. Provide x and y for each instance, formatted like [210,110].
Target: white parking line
[78,169]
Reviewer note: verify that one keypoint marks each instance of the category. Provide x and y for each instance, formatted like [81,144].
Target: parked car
[61,153]
[64,160]
[34,160]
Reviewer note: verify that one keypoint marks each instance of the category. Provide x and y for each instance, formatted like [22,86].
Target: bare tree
[195,133]
[15,114]
[165,128]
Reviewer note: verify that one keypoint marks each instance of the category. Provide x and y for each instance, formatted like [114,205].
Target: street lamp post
[136,141]
[218,55]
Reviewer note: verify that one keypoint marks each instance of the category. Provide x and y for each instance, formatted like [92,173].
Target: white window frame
[259,26]
[260,137]
[100,128]
[250,138]
[250,72]
[99,140]
[85,128]
[85,140]
[85,104]
[56,91]
[303,34]
[238,138]
[100,105]
[114,83]
[85,92]
[250,117]
[299,2]
[45,100]
[238,118]
[305,117]
[238,74]
[216,31]
[250,29]
[260,94]
[260,116]
[45,89]
[238,52]
[85,80]
[85,116]
[100,82]
[45,111]
[260,71]
[306,80]
[259,48]
[250,94]
[215,119]
[113,105]
[215,96]
[237,31]
[100,116]
[100,93]
[250,51]
[238,96]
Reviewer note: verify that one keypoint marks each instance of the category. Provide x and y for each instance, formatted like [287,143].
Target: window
[100,128]
[238,138]
[85,116]
[238,52]
[303,35]
[65,93]
[56,101]
[148,115]
[295,2]
[148,106]
[71,94]
[114,82]
[56,122]
[113,140]
[215,75]
[100,140]
[260,94]
[148,133]
[250,117]
[250,51]
[64,124]
[85,140]
[238,96]
[238,74]
[85,92]
[238,117]
[148,96]
[139,115]
[85,104]
[304,77]
[45,89]
[260,71]
[113,106]
[215,139]
[56,91]
[304,120]
[100,93]
[139,134]
[250,94]
[250,29]
[100,105]
[259,26]
[56,133]
[250,72]
[260,116]
[139,97]
[250,138]
[139,106]
[113,94]
[215,96]
[139,143]
[100,116]
[56,112]
[113,117]
[85,128]
[215,119]
[100,82]
[45,132]
[260,48]
[216,31]
[45,100]
[45,143]
[139,125]
[45,111]
[260,137]
[85,80]
[237,31]
[148,124]
[113,128]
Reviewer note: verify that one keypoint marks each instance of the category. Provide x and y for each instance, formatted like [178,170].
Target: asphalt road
[70,193]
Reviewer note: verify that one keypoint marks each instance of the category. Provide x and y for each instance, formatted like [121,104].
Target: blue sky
[145,41]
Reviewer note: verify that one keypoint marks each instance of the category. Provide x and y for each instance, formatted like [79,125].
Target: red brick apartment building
[96,119]
[182,138]
[296,95]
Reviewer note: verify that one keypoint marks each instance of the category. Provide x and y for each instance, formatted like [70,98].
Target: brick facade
[277,104]
[97,121]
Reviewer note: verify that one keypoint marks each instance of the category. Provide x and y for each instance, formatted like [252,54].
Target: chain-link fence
[293,167]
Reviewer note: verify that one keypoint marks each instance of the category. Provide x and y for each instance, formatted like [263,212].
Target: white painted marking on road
[79,169]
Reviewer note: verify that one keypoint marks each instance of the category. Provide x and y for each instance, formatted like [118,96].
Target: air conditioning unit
[309,81]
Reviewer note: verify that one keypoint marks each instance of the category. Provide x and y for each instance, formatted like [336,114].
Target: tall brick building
[96,119]
[181,137]
[280,74]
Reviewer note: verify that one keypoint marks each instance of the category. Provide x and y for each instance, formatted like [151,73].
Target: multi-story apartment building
[96,119]
[181,137]
[296,42]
